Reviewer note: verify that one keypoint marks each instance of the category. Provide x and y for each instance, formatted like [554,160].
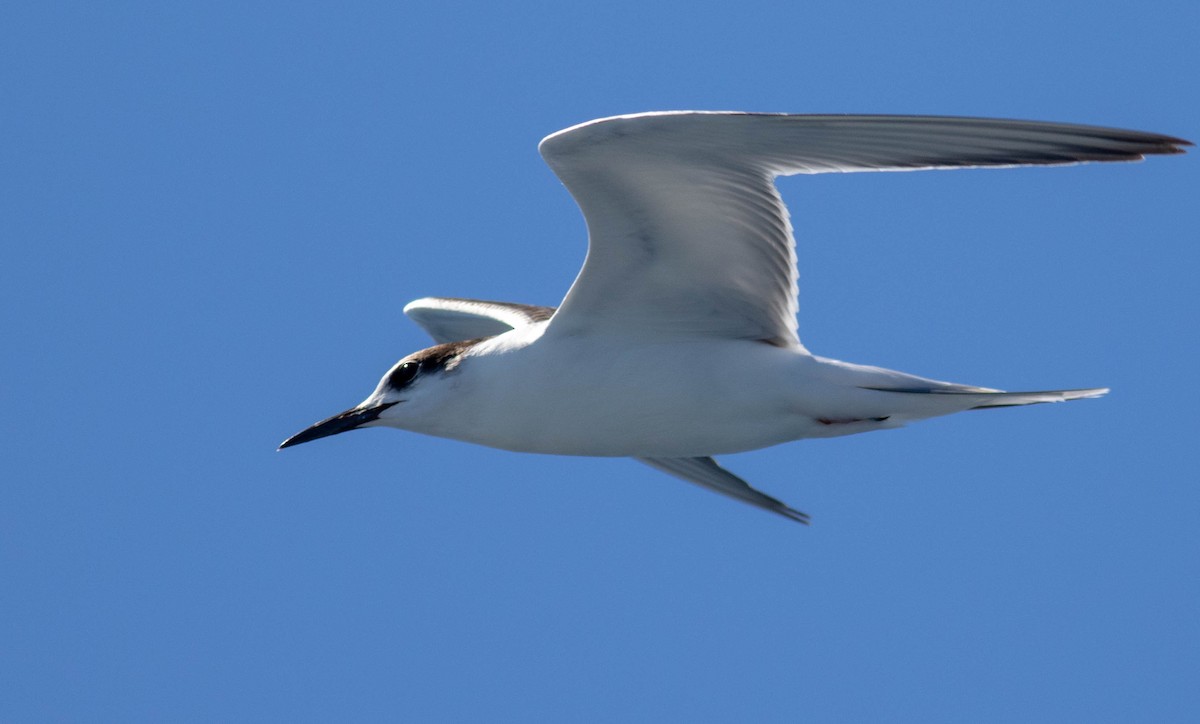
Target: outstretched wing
[447,319]
[705,472]
[688,236]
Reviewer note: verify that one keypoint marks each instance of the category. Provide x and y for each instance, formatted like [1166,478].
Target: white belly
[588,398]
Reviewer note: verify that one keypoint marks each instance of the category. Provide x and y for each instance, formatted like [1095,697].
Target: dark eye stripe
[403,374]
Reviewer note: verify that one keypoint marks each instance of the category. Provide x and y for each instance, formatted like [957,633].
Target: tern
[678,339]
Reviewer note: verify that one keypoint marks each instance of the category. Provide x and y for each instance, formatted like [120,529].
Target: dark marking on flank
[850,420]
[775,342]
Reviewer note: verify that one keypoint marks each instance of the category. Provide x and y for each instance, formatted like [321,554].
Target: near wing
[688,236]
[452,320]
[707,473]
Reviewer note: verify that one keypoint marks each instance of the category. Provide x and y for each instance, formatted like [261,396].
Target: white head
[409,391]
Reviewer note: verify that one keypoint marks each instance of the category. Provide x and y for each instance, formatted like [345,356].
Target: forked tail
[978,398]
[1011,399]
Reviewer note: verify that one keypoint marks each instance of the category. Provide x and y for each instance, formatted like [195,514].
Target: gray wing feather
[705,472]
[449,319]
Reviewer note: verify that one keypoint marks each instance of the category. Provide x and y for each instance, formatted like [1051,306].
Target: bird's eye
[403,374]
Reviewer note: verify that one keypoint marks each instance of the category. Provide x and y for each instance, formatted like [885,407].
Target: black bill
[342,422]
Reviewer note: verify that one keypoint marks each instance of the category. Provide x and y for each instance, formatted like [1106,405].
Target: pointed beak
[342,422]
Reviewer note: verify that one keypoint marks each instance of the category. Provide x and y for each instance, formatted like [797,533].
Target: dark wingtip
[1167,145]
[796,515]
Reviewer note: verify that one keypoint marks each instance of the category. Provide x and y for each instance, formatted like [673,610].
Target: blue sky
[213,214]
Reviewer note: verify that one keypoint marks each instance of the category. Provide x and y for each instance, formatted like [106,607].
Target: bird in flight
[678,340]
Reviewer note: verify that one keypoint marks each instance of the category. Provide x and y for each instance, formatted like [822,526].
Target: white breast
[587,396]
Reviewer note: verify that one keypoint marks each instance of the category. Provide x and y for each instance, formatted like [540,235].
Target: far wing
[707,473]
[447,319]
[688,236]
